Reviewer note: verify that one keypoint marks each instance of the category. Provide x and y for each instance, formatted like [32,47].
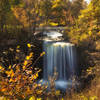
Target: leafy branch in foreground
[18,81]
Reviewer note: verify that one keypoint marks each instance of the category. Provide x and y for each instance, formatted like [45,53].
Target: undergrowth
[18,81]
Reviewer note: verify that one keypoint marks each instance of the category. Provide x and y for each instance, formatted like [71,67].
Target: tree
[28,14]
[91,17]
[46,11]
[77,5]
[60,11]
[87,25]
[4,9]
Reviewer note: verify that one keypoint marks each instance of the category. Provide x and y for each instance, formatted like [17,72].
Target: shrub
[19,81]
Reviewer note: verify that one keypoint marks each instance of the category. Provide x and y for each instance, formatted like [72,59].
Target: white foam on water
[53,34]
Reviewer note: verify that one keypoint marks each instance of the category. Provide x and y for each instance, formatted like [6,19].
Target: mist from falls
[62,57]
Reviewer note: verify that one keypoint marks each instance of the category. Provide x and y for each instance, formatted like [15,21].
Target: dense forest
[18,17]
[18,22]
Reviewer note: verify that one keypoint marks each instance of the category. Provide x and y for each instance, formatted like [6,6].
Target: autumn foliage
[18,81]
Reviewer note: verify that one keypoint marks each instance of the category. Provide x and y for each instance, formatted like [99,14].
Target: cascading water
[62,56]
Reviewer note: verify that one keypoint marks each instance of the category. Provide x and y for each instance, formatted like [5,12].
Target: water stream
[62,57]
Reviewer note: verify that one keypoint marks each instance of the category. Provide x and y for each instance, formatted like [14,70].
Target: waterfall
[62,56]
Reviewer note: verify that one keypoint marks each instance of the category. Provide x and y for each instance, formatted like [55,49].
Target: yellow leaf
[1,68]
[35,85]
[11,80]
[10,67]
[12,74]
[31,54]
[53,24]
[11,71]
[29,45]
[90,33]
[32,98]
[93,98]
[62,98]
[35,77]
[39,92]
[25,62]
[32,77]
[7,72]
[36,74]
[27,57]
[18,46]
[24,67]
[17,68]
[3,90]
[43,53]
[39,98]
